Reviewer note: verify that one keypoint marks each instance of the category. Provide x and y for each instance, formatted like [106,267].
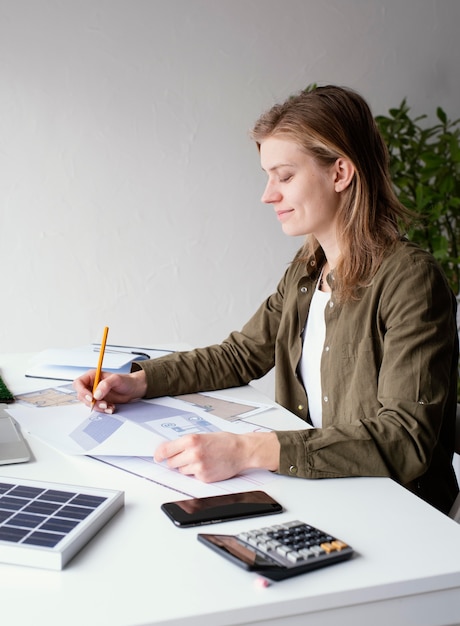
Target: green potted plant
[425,168]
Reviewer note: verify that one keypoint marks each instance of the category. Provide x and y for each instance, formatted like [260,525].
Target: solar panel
[44,524]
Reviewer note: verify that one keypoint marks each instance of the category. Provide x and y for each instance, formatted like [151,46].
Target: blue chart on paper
[45,524]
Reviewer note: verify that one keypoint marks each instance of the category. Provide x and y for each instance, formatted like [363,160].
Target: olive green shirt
[388,374]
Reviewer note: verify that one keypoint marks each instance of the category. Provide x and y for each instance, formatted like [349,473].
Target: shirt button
[326,399]
[331,304]
[293,470]
[326,348]
[300,407]
[303,289]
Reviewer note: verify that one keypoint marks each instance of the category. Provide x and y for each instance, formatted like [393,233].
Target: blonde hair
[332,122]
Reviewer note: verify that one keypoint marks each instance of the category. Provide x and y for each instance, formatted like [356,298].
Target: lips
[281,215]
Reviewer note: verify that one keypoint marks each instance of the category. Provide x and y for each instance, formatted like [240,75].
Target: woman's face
[302,192]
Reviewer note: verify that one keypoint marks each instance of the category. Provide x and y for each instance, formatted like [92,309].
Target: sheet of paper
[64,395]
[145,467]
[218,404]
[73,430]
[135,429]
[128,438]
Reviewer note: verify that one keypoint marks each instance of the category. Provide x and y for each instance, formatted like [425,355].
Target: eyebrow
[278,166]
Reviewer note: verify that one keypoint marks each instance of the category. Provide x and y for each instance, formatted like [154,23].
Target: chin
[294,232]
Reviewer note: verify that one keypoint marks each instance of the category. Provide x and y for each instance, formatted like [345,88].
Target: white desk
[141,569]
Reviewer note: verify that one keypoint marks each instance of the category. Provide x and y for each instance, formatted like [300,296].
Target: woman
[361,328]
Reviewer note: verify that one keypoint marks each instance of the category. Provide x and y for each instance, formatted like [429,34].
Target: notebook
[13,448]
[59,364]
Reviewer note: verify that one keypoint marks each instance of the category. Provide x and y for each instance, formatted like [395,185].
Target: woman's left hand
[211,457]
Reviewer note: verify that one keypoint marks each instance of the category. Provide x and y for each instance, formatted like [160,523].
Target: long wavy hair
[331,122]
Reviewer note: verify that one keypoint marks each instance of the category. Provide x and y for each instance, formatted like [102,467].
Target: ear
[344,171]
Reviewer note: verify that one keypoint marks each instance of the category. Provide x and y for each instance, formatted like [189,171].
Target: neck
[331,250]
[332,258]
[330,264]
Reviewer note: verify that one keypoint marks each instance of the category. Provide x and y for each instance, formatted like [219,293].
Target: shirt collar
[315,262]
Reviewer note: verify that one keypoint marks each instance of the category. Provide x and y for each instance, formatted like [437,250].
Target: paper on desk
[136,429]
[64,428]
[145,467]
[128,439]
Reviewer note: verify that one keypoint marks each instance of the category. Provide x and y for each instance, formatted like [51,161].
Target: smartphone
[210,510]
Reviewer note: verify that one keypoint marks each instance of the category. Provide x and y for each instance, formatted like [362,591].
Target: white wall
[129,189]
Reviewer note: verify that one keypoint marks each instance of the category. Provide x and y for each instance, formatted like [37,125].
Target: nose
[270,194]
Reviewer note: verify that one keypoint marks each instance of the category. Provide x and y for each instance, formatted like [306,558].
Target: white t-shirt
[310,363]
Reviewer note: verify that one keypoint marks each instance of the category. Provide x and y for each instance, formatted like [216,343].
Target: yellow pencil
[97,378]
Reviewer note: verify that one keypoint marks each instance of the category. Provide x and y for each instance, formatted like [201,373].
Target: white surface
[129,189]
[141,569]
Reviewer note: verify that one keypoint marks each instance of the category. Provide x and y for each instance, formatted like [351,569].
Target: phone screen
[199,511]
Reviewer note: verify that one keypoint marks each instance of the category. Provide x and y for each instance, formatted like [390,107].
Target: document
[128,438]
[56,417]
[145,467]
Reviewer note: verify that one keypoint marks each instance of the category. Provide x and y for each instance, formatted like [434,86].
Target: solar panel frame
[44,524]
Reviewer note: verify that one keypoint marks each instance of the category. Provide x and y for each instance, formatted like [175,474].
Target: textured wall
[129,189]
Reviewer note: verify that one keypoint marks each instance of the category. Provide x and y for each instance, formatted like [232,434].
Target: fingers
[208,457]
[84,388]
[183,455]
[169,450]
[112,389]
[83,385]
[84,382]
[104,388]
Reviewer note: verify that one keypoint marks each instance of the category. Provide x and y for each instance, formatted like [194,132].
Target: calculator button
[283,550]
[294,557]
[327,547]
[339,545]
[306,553]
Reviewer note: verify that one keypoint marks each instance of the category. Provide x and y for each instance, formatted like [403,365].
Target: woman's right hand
[112,389]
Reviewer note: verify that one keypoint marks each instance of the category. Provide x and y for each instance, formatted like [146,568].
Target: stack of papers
[128,438]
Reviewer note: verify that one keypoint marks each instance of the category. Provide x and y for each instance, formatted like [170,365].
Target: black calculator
[281,550]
